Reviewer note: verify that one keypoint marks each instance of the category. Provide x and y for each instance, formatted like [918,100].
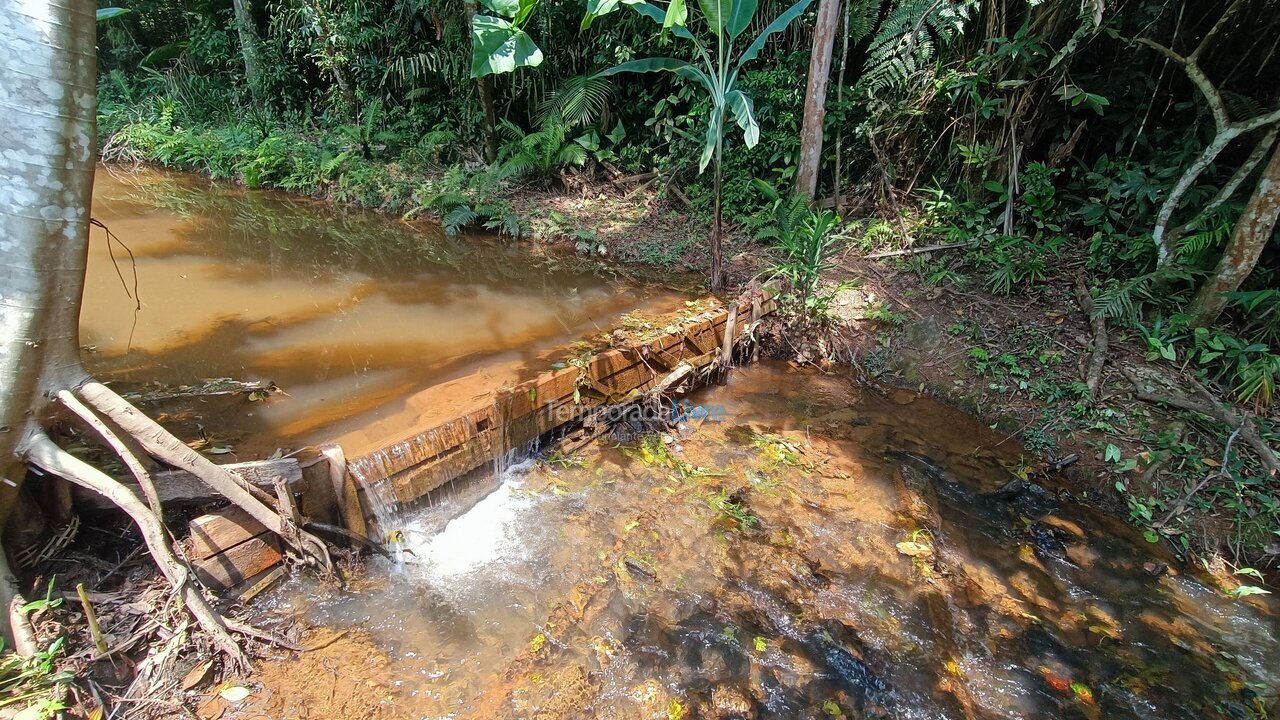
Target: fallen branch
[335,531]
[44,453]
[131,461]
[164,446]
[1211,407]
[1098,358]
[1223,472]
[914,251]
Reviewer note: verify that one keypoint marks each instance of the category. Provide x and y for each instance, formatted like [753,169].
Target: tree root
[44,453]
[164,446]
[1098,356]
[131,461]
[1208,406]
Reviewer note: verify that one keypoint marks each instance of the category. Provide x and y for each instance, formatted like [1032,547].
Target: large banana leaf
[777,26]
[744,113]
[683,68]
[660,17]
[717,13]
[740,18]
[713,135]
[677,15]
[497,46]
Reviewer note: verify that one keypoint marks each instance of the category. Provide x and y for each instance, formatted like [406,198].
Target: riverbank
[1018,360]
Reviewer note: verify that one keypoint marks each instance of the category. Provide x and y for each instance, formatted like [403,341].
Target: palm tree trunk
[1251,234]
[484,93]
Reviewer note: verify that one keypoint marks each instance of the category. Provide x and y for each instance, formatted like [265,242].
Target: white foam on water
[484,535]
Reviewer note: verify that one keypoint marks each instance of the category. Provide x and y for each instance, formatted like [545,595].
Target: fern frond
[580,100]
[905,43]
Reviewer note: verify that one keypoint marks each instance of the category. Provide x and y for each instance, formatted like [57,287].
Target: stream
[826,550]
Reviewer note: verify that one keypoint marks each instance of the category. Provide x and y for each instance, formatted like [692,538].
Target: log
[179,487]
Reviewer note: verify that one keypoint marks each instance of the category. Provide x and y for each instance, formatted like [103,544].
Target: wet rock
[1064,525]
[1045,541]
[729,702]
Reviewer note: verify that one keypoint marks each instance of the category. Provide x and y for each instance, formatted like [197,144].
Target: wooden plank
[221,530]
[418,481]
[256,585]
[228,569]
[179,487]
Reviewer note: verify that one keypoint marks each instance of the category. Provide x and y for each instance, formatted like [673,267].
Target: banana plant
[499,43]
[716,71]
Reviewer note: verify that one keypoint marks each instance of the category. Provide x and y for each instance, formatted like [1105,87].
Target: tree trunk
[47,151]
[717,258]
[484,92]
[1250,236]
[815,99]
[49,75]
[47,155]
[250,50]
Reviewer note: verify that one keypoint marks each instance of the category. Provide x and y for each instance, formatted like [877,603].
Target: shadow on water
[350,312]
[828,551]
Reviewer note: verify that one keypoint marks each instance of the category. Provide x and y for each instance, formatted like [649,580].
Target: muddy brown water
[827,551]
[350,313]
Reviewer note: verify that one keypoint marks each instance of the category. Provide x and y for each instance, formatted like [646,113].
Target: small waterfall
[379,492]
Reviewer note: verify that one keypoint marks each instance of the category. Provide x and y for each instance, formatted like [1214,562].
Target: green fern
[580,100]
[905,43]
[538,153]
[1207,231]
[1125,300]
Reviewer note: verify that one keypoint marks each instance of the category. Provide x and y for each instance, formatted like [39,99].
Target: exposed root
[43,452]
[131,461]
[1209,406]
[1098,355]
[164,446]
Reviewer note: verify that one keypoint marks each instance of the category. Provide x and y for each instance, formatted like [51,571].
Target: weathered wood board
[179,487]
[229,568]
[228,549]
[215,532]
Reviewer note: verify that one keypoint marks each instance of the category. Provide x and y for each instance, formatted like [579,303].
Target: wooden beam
[228,569]
[179,487]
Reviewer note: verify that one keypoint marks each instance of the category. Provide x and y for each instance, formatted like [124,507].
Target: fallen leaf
[235,693]
[915,549]
[197,675]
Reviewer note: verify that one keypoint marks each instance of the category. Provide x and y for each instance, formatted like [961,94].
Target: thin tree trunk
[838,179]
[717,258]
[815,98]
[1250,236]
[484,93]
[250,50]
